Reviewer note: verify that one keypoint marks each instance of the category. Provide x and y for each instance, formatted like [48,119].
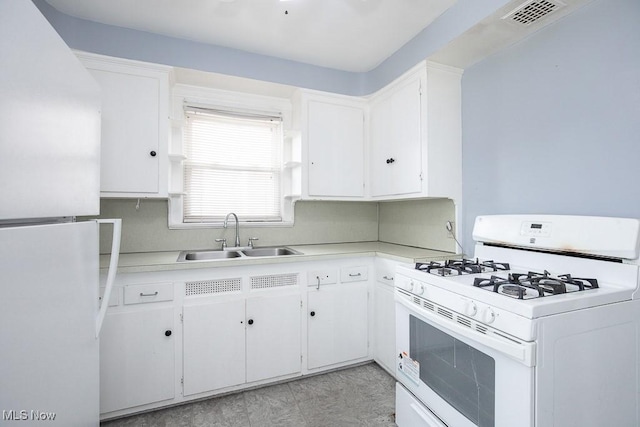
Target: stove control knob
[420,289]
[489,315]
[472,309]
[410,286]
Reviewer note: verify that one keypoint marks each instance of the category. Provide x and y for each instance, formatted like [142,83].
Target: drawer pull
[167,333]
[149,295]
[387,277]
[355,275]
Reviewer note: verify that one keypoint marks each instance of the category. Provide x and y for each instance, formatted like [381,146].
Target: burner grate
[534,285]
[456,267]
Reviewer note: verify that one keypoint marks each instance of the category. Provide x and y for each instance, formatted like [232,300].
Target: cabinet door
[336,150]
[137,352]
[384,324]
[130,132]
[273,336]
[396,155]
[337,324]
[213,346]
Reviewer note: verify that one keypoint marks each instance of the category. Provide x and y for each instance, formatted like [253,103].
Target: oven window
[457,372]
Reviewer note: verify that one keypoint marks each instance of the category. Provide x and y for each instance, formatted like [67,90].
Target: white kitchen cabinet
[213,346]
[396,145]
[137,365]
[273,336]
[337,324]
[230,342]
[333,137]
[135,126]
[384,320]
[415,138]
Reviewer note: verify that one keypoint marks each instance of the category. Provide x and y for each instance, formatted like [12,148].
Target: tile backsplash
[414,223]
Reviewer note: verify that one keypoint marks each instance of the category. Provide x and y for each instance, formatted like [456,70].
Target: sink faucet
[226,219]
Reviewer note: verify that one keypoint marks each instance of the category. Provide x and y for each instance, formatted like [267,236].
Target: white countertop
[162,261]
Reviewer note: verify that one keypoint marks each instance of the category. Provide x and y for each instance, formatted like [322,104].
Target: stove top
[515,285]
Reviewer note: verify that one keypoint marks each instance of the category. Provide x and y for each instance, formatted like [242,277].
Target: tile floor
[359,396]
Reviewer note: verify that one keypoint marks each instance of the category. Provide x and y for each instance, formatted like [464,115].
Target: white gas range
[541,328]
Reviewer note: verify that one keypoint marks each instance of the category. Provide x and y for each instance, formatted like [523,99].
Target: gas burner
[438,269]
[514,290]
[456,267]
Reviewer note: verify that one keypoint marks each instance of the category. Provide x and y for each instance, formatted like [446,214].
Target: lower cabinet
[228,343]
[384,319]
[384,326]
[273,336]
[137,364]
[337,324]
[213,346]
[240,327]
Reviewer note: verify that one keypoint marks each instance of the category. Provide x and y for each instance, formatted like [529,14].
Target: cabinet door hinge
[300,304]
[421,179]
[182,381]
[181,318]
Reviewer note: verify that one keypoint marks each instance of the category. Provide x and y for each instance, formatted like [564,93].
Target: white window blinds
[234,164]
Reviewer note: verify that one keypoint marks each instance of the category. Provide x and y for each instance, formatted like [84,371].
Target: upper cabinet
[416,135]
[402,142]
[333,141]
[396,137]
[135,126]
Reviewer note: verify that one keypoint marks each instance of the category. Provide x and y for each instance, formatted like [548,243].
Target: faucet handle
[251,240]
[224,242]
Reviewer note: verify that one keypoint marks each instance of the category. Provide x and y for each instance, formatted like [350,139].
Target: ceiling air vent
[532,11]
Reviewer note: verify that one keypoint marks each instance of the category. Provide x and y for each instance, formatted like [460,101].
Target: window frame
[231,102]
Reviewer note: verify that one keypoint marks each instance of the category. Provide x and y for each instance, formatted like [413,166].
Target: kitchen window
[231,161]
[233,164]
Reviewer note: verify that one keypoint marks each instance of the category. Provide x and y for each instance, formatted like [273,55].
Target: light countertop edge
[164,261]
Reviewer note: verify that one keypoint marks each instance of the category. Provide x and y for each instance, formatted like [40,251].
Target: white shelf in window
[177,157]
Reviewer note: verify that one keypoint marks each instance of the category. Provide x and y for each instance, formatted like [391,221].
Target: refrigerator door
[49,121]
[49,353]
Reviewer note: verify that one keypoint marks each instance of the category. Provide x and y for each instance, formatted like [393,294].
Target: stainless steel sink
[210,255]
[280,251]
[207,255]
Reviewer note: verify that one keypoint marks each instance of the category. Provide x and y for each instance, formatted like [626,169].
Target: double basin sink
[230,253]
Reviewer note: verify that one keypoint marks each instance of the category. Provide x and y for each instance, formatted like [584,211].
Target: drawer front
[386,276]
[354,274]
[152,292]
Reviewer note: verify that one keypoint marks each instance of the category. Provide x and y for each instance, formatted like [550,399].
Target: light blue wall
[552,125]
[124,43]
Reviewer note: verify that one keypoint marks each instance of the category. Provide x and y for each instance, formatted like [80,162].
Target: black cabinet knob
[390,160]
[313,313]
[167,333]
[152,153]
[250,321]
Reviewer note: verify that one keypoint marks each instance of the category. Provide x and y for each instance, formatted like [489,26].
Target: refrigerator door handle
[113,267]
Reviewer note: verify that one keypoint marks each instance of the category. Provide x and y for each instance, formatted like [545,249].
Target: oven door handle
[522,351]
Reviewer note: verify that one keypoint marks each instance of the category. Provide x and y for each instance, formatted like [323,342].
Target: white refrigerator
[50,315]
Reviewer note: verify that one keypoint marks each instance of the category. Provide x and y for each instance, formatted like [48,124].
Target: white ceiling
[350,35]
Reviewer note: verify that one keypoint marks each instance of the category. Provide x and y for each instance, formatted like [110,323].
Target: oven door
[465,377]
